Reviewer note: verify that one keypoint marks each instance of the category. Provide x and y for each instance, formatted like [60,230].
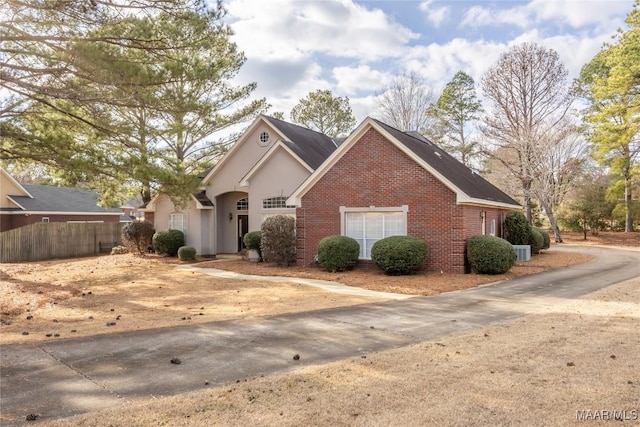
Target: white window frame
[492,227]
[404,209]
[241,205]
[277,202]
[173,222]
[45,219]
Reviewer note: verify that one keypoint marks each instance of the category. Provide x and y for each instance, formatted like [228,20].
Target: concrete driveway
[73,376]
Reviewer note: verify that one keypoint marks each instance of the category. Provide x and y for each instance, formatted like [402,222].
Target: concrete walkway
[67,377]
[335,287]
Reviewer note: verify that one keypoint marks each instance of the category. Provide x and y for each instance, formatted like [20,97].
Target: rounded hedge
[536,240]
[399,255]
[546,237]
[168,242]
[187,253]
[278,240]
[137,236]
[490,255]
[338,253]
[119,250]
[252,240]
[516,228]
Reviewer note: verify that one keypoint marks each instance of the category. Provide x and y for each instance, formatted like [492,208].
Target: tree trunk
[526,186]
[628,220]
[548,209]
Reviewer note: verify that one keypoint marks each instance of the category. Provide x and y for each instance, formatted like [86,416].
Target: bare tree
[560,161]
[403,104]
[528,96]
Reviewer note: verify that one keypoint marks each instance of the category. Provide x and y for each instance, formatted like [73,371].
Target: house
[382,182]
[133,209]
[23,204]
[250,183]
[376,183]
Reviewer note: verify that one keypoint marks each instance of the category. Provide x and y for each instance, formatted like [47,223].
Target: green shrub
[536,240]
[490,255]
[252,241]
[119,250]
[137,236]
[168,242]
[187,253]
[516,228]
[546,237]
[338,253]
[399,255]
[278,240]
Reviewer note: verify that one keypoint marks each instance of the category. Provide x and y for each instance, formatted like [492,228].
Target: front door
[243,228]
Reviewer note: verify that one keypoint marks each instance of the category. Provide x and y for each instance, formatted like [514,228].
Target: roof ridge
[270,118]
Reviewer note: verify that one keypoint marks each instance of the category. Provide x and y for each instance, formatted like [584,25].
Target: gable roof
[5,175]
[470,188]
[309,146]
[51,199]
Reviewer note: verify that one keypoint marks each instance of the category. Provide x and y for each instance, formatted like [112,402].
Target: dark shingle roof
[60,199]
[449,167]
[205,172]
[202,198]
[311,146]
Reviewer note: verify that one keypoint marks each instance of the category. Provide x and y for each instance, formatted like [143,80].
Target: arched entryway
[232,214]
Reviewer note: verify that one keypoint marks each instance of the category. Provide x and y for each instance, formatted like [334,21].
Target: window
[264,138]
[276,203]
[242,204]
[45,219]
[492,228]
[178,221]
[368,225]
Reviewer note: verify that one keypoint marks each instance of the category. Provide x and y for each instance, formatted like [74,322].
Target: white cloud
[351,80]
[479,16]
[435,14]
[438,63]
[579,14]
[575,14]
[278,29]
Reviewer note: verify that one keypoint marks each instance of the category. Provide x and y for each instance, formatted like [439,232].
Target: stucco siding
[227,177]
[8,188]
[279,176]
[194,216]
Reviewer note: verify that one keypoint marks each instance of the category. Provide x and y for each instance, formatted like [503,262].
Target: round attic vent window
[264,138]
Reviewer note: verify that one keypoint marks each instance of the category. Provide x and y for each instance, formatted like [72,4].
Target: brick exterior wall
[8,222]
[373,172]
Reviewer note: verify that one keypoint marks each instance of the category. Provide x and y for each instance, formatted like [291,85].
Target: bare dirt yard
[115,293]
[578,359]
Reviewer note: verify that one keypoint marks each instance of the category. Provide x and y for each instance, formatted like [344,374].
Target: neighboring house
[376,183]
[250,183]
[382,182]
[133,210]
[22,204]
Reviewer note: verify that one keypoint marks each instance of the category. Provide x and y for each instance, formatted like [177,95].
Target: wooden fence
[43,241]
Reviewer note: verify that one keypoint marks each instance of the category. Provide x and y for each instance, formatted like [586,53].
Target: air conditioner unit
[523,252]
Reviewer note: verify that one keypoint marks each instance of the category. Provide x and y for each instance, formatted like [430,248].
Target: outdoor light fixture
[230,216]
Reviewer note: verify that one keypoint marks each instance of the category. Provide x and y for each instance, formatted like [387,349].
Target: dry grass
[535,371]
[81,297]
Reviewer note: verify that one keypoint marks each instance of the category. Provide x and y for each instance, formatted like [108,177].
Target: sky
[355,48]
